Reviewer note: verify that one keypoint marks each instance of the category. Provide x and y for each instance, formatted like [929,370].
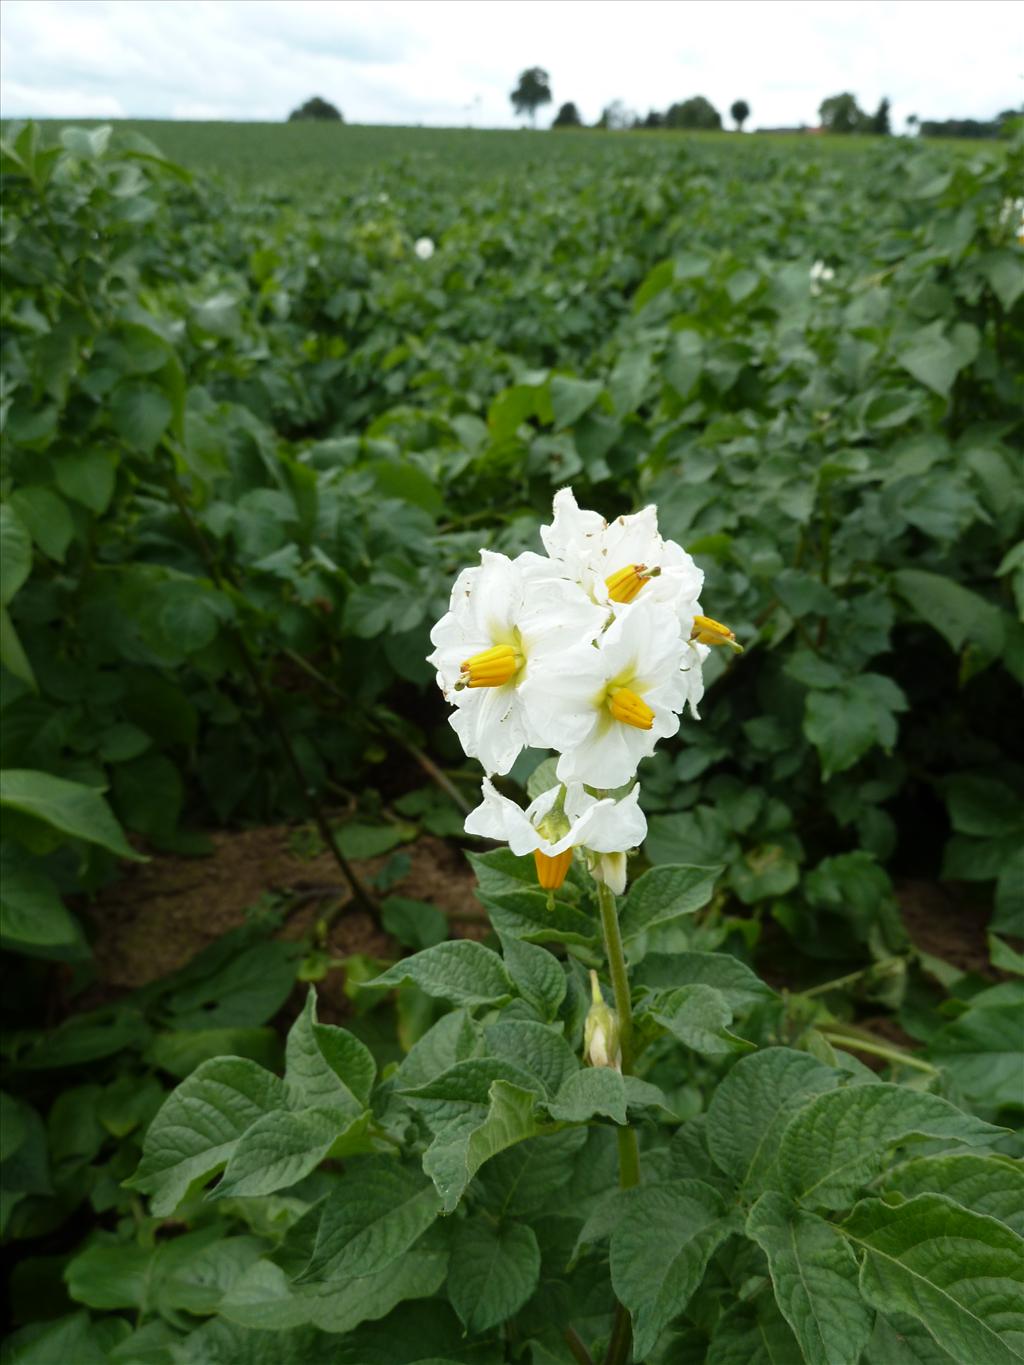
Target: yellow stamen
[624,584]
[708,632]
[489,668]
[630,709]
[551,872]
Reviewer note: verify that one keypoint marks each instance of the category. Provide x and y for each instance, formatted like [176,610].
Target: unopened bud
[601,1031]
[609,868]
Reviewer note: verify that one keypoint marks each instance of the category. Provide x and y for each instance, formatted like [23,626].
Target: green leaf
[684,361]
[281,1148]
[87,477]
[12,652]
[935,359]
[463,1145]
[814,1274]
[326,1066]
[982,805]
[31,911]
[141,413]
[991,1185]
[462,971]
[70,807]
[373,1215]
[72,1338]
[180,1052]
[416,924]
[199,1126]
[698,1016]
[732,979]
[957,613]
[570,398]
[901,1340]
[47,518]
[15,553]
[753,1333]
[1004,271]
[358,840]
[983,1050]
[664,894]
[493,1271]
[841,1140]
[586,1093]
[845,722]
[247,988]
[959,1273]
[752,1106]
[264,1298]
[535,1048]
[537,975]
[660,1249]
[601,1089]
[628,380]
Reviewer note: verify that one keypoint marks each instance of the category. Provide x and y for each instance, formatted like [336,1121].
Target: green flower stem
[855,1040]
[838,982]
[617,971]
[629,1151]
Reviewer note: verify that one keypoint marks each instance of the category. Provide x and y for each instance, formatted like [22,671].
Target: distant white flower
[820,274]
[604,706]
[383,198]
[624,560]
[559,820]
[424,248]
[504,617]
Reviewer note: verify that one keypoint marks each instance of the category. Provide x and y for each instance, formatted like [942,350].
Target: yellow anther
[489,668]
[624,584]
[630,709]
[551,872]
[708,632]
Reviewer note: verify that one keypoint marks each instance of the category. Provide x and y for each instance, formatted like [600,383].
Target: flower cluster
[593,650]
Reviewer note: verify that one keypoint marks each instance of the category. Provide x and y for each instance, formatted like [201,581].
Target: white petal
[616,826]
[609,756]
[499,818]
[489,722]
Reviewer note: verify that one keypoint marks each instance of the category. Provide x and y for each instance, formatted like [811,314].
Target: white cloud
[449,61]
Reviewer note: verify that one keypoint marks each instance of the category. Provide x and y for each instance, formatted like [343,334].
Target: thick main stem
[629,1151]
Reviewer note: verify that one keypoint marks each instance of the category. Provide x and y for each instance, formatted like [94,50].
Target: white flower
[559,820]
[820,274]
[604,706]
[505,617]
[624,560]
[424,248]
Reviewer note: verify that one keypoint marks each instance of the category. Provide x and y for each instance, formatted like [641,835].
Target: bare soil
[161,913]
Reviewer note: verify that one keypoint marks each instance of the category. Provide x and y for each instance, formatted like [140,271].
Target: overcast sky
[453,62]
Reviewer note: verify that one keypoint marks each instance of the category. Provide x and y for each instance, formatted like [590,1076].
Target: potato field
[447,918]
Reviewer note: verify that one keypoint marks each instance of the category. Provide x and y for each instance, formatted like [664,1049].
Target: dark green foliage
[316,108]
[695,112]
[568,116]
[842,114]
[533,90]
[739,111]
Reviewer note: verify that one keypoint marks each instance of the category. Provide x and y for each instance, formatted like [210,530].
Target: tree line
[837,114]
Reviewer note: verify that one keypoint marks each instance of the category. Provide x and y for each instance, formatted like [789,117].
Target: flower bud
[601,1031]
[609,868]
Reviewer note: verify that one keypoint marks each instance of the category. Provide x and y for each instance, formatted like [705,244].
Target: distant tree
[616,117]
[533,90]
[842,114]
[568,117]
[880,119]
[968,127]
[740,111]
[696,112]
[316,108]
[654,120]
[912,122]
